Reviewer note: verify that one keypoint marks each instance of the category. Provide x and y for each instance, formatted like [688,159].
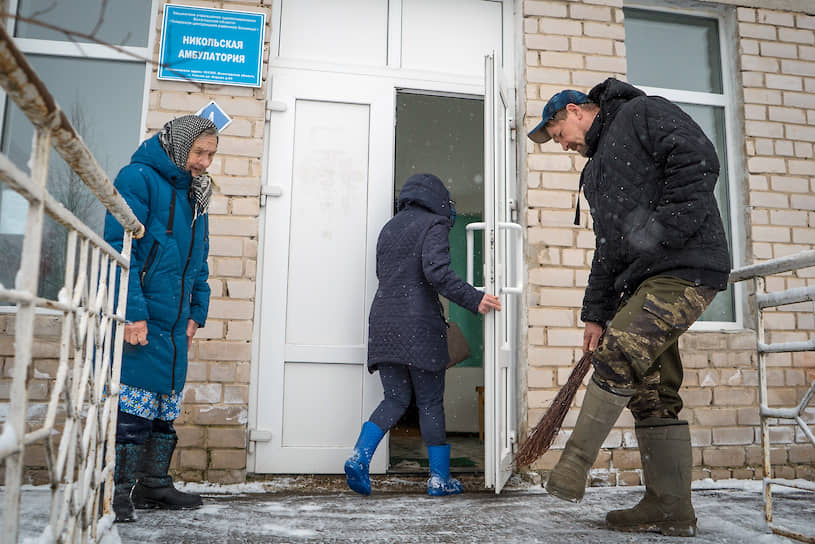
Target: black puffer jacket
[413,266]
[649,183]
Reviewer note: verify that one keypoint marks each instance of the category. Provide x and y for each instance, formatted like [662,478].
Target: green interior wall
[471,324]
[445,135]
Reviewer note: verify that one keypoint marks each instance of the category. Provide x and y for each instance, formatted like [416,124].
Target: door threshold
[472,471]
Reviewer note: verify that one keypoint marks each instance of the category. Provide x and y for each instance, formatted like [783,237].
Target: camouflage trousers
[639,353]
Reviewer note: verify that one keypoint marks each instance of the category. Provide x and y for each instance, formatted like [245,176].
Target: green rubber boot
[597,416]
[665,450]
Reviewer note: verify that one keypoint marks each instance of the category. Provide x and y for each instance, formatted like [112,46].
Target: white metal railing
[761,301]
[80,451]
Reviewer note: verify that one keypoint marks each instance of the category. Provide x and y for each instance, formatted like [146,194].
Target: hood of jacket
[610,95]
[427,191]
[153,155]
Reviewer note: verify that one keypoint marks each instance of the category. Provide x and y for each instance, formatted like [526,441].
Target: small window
[678,56]
[101,91]
[119,22]
[673,51]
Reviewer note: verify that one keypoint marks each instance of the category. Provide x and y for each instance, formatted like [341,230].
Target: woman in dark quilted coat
[407,339]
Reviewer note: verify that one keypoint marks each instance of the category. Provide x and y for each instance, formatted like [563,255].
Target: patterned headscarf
[177,138]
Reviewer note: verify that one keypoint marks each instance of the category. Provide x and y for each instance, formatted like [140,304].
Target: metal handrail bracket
[92,303]
[762,301]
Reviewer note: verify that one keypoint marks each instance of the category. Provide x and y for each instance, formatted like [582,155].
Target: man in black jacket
[660,257]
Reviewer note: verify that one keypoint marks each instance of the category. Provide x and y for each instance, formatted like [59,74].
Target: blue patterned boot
[356,467]
[440,482]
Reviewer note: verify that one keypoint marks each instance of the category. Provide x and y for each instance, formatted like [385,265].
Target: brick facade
[573,44]
[577,44]
[212,428]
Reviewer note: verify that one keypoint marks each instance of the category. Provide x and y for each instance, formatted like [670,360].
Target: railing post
[87,381]
[761,301]
[759,288]
[27,281]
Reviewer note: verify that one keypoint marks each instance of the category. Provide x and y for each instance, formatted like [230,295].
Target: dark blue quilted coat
[649,183]
[413,266]
[168,275]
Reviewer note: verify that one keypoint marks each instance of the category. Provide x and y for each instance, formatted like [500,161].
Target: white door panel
[334,71]
[450,36]
[304,425]
[331,146]
[328,215]
[351,31]
[500,276]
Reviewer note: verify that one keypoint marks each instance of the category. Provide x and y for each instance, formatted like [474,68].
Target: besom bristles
[547,428]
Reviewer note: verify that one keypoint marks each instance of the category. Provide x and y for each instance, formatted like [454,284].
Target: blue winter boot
[356,467]
[440,483]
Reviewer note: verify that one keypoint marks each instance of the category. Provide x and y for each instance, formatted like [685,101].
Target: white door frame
[503,266]
[393,77]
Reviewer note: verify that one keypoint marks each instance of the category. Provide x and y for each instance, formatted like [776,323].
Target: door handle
[470,229]
[518,230]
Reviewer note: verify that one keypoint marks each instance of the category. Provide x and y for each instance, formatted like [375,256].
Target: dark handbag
[457,346]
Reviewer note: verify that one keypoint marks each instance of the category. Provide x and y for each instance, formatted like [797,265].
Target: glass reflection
[119,22]
[673,51]
[102,99]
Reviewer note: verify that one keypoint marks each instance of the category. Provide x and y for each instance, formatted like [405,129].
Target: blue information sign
[211,46]
[214,113]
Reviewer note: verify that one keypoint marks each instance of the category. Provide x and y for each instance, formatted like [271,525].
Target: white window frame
[733,131]
[64,48]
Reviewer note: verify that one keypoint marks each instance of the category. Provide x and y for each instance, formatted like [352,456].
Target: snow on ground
[295,510]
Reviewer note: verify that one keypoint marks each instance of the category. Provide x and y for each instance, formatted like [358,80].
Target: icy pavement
[298,510]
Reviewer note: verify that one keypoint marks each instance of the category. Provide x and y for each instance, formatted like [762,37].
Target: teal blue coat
[168,275]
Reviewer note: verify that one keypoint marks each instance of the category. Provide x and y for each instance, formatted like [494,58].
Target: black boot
[155,489]
[128,459]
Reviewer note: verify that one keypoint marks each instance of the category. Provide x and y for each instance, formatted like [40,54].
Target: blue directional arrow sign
[214,113]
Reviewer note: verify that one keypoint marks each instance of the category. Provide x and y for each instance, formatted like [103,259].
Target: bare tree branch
[72,35]
[45,10]
[101,18]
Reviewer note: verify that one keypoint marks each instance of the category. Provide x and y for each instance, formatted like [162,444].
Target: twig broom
[547,428]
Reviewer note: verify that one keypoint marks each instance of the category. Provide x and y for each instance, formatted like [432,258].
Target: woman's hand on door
[489,302]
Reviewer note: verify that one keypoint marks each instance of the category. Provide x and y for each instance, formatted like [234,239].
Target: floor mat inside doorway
[423,462]
[409,454]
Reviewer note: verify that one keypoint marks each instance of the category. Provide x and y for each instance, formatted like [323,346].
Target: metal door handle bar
[518,288]
[470,229]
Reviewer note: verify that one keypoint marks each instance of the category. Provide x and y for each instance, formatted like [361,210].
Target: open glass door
[503,264]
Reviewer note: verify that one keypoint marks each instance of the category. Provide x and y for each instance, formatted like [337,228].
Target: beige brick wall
[45,352]
[577,44]
[568,45]
[573,44]
[777,54]
[212,427]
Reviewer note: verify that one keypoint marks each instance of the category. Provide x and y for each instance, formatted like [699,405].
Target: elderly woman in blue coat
[407,339]
[168,188]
